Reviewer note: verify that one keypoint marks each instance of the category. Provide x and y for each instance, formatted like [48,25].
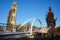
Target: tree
[58,29]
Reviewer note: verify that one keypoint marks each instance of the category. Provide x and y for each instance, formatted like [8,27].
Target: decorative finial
[14,4]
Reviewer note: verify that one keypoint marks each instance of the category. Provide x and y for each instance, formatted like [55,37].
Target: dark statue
[51,22]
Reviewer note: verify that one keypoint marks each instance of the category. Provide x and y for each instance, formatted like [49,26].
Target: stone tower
[11,22]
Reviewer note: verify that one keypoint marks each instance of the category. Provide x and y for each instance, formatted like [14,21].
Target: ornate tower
[11,22]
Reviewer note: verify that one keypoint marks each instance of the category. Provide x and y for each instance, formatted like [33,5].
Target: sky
[27,9]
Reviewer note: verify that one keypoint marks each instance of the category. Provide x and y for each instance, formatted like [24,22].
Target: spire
[14,4]
[50,9]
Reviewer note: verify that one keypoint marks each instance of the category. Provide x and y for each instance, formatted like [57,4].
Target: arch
[33,20]
[33,23]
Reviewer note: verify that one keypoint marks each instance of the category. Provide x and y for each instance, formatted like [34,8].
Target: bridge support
[32,25]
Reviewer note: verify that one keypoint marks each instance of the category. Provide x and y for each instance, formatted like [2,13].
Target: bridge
[25,32]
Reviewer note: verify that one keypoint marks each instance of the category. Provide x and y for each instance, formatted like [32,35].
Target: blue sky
[30,9]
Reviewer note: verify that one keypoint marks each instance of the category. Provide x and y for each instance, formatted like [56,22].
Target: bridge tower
[12,18]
